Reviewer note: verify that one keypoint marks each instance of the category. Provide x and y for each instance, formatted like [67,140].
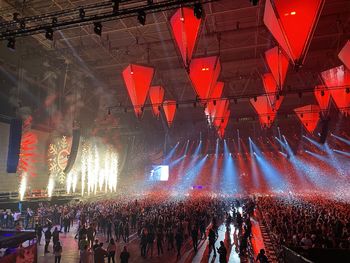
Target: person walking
[143,243]
[47,240]
[57,250]
[212,239]
[160,241]
[124,256]
[194,235]
[222,253]
[179,240]
[111,249]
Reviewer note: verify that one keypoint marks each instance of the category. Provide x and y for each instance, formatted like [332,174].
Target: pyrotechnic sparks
[22,186]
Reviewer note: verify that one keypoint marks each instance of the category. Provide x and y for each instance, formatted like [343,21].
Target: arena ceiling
[234,30]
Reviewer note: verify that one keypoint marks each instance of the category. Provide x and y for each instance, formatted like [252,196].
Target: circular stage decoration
[57,158]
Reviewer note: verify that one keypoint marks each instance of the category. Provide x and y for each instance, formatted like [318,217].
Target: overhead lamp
[54,21]
[254,2]
[49,33]
[22,24]
[98,28]
[198,10]
[115,4]
[141,17]
[255,98]
[82,13]
[11,44]
[322,93]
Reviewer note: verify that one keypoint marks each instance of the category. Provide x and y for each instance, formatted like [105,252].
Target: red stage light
[156,95]
[185,27]
[309,116]
[278,64]
[204,81]
[138,79]
[344,54]
[169,107]
[292,24]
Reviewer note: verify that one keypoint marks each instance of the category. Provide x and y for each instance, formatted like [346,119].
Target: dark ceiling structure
[82,68]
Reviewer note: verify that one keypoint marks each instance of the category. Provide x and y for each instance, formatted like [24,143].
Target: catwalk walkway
[71,254]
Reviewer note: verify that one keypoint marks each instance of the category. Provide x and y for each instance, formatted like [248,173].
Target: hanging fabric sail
[169,107]
[270,87]
[185,27]
[265,111]
[204,73]
[216,94]
[337,81]
[223,125]
[309,116]
[138,79]
[344,54]
[219,112]
[156,95]
[292,23]
[323,97]
[278,64]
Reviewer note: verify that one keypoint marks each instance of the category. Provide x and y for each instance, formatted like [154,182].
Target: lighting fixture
[254,2]
[255,98]
[322,93]
[81,13]
[115,4]
[49,33]
[98,28]
[11,44]
[141,17]
[22,24]
[198,10]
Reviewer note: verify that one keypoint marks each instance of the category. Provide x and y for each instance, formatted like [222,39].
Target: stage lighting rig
[141,17]
[11,44]
[49,34]
[198,10]
[98,28]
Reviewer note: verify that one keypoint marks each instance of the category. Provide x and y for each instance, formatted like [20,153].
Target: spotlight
[322,93]
[115,4]
[49,33]
[141,17]
[98,28]
[54,21]
[22,24]
[255,98]
[254,2]
[198,10]
[81,13]
[11,44]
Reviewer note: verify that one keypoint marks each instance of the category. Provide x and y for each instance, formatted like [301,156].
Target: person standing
[143,243]
[111,249]
[150,242]
[39,232]
[212,239]
[47,240]
[85,255]
[179,240]
[124,256]
[57,250]
[262,258]
[194,235]
[222,253]
[99,254]
[160,242]
[55,236]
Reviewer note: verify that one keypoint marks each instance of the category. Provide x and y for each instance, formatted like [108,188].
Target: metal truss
[83,15]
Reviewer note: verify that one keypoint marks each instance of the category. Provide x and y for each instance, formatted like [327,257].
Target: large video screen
[159,173]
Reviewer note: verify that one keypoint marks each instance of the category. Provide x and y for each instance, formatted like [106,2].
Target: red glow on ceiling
[156,95]
[323,97]
[292,24]
[138,79]
[185,27]
[344,54]
[309,116]
[278,64]
[169,107]
[204,81]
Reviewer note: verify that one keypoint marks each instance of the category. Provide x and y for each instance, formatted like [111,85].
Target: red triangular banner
[309,116]
[223,125]
[270,87]
[323,96]
[138,79]
[219,111]
[344,54]
[216,94]
[169,107]
[156,95]
[278,64]
[292,24]
[185,27]
[204,73]
[265,111]
[338,82]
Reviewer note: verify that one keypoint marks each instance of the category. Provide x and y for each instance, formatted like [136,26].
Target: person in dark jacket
[124,256]
[48,236]
[99,254]
[222,253]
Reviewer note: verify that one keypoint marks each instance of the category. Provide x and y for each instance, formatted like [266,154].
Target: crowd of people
[307,222]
